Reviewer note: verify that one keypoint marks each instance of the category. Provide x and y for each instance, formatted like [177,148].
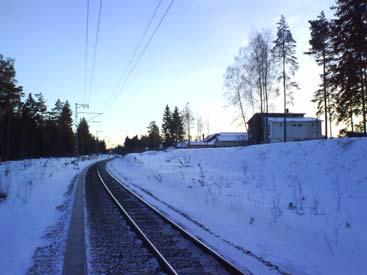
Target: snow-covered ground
[300,206]
[39,199]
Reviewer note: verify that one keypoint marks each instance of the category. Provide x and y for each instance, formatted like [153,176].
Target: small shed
[268,127]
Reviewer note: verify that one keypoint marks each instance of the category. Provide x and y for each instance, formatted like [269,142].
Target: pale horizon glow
[185,61]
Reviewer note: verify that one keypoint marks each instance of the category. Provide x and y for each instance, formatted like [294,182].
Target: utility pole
[285,100]
[76,143]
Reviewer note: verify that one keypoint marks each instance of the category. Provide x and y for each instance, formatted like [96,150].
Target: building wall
[256,130]
[296,131]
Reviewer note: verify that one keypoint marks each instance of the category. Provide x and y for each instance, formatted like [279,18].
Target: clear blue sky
[184,63]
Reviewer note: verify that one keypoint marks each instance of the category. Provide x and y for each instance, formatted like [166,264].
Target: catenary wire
[141,55]
[133,54]
[86,54]
[95,52]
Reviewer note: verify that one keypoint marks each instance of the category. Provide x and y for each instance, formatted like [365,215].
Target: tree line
[174,129]
[339,45]
[28,129]
[265,68]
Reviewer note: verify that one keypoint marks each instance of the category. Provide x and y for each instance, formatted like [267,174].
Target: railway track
[175,250]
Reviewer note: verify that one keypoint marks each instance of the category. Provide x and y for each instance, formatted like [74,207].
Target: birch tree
[261,68]
[188,119]
[236,82]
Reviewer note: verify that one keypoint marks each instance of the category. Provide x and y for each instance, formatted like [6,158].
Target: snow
[35,187]
[300,206]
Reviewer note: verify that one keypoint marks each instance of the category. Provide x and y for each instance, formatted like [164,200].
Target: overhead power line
[95,51]
[151,37]
[86,54]
[141,54]
[134,53]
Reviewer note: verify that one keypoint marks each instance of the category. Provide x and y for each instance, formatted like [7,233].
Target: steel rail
[166,265]
[230,267]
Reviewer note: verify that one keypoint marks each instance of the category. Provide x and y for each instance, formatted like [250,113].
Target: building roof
[227,136]
[263,115]
[211,139]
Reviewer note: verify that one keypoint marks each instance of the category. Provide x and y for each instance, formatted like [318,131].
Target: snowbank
[300,206]
[35,199]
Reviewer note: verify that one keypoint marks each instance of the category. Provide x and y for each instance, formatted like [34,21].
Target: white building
[222,139]
[227,139]
[268,128]
[298,128]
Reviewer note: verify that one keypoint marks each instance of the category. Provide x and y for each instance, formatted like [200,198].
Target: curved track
[177,251]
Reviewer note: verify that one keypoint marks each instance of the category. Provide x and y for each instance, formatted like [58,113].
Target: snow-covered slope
[301,206]
[35,213]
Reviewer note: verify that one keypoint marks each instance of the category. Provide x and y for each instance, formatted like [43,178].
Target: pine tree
[54,138]
[65,124]
[29,109]
[322,51]
[41,108]
[154,139]
[29,128]
[284,52]
[101,146]
[10,92]
[127,144]
[41,115]
[137,144]
[56,111]
[51,138]
[84,137]
[10,105]
[349,71]
[167,127]
[53,135]
[178,131]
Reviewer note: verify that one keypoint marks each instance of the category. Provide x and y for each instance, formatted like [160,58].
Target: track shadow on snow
[270,265]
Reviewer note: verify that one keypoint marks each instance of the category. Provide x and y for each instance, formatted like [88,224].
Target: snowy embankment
[300,206]
[35,215]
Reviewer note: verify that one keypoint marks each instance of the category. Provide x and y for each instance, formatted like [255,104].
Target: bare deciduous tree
[248,81]
[199,127]
[207,126]
[261,67]
[188,119]
[236,80]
